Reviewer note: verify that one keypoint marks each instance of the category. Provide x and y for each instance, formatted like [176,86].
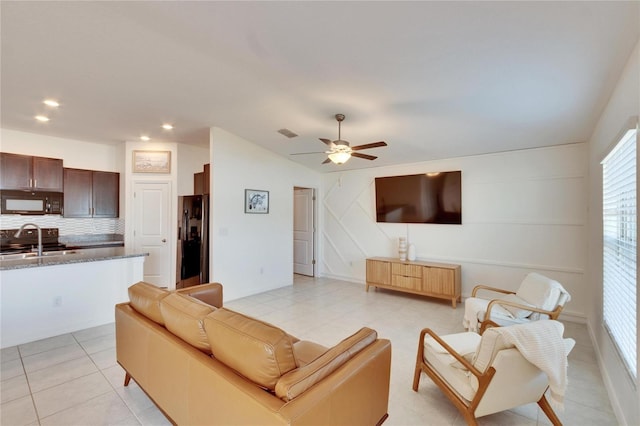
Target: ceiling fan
[339,150]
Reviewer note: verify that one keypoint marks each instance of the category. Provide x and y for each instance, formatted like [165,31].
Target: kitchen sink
[31,255]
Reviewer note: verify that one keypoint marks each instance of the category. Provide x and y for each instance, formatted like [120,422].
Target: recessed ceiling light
[51,103]
[167,126]
[145,138]
[42,118]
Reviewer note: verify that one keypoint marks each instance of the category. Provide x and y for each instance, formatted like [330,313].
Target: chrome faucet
[17,235]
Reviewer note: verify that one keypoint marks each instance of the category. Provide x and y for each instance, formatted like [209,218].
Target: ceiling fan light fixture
[339,157]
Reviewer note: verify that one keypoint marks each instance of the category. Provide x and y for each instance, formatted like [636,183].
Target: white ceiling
[433,79]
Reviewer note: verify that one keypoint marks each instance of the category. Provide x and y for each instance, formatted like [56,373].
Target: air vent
[288,133]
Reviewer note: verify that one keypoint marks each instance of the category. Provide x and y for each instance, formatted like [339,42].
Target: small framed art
[256,201]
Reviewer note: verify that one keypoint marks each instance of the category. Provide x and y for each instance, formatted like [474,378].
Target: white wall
[623,104]
[74,153]
[191,159]
[521,211]
[252,253]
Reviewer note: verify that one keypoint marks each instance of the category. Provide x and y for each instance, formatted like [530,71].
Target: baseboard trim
[608,384]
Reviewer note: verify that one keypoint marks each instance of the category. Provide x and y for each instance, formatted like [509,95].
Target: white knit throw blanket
[472,306]
[541,343]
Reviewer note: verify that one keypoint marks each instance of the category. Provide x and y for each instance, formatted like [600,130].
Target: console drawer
[406,270]
[411,283]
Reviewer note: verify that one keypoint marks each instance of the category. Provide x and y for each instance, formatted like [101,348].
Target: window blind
[619,215]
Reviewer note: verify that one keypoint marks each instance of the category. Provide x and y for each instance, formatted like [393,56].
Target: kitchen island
[69,257]
[50,295]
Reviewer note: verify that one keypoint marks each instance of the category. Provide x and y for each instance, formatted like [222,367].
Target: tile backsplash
[67,226]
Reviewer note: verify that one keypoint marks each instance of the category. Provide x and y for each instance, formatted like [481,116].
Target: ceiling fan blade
[305,153]
[327,141]
[369,145]
[365,156]
[326,161]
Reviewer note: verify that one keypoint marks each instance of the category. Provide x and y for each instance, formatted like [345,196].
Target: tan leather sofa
[207,365]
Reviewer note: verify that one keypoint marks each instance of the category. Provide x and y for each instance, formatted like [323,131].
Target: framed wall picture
[151,161]
[256,201]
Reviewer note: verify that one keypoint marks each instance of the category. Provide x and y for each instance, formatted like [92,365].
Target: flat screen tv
[423,198]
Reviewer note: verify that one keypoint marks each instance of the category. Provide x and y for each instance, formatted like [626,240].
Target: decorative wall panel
[522,211]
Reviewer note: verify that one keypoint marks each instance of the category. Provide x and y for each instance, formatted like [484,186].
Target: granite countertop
[90,241]
[78,256]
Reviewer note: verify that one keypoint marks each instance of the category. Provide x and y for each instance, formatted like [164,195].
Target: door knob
[164,240]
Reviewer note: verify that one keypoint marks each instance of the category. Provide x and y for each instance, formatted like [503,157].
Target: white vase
[402,248]
[411,253]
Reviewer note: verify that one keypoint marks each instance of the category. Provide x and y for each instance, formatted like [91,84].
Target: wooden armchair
[483,375]
[538,297]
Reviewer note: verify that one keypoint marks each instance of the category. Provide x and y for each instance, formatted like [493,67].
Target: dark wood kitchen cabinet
[201,181]
[26,172]
[91,193]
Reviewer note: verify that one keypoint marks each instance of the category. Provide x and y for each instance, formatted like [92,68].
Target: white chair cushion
[517,313]
[490,343]
[539,291]
[475,309]
[441,361]
[463,343]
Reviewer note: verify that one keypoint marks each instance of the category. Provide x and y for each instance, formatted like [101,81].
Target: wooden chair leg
[546,407]
[419,360]
[470,418]
[127,379]
[416,377]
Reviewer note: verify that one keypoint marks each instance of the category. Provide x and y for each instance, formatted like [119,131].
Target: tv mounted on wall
[424,198]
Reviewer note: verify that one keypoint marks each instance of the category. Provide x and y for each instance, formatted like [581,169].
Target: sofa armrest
[211,293]
[357,393]
[296,382]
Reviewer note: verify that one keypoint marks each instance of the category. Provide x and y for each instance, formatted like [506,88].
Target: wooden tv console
[440,280]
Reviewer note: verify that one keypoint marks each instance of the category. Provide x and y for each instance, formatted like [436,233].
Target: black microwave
[31,202]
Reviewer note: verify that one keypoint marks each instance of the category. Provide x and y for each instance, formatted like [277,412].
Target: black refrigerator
[193,240]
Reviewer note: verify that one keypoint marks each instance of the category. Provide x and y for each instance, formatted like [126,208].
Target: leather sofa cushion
[257,350]
[184,317]
[298,381]
[145,298]
[305,352]
[210,293]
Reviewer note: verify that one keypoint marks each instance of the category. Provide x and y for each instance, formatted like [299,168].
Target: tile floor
[73,379]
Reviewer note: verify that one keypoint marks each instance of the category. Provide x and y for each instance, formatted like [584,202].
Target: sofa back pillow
[210,293]
[298,381]
[257,350]
[145,298]
[184,317]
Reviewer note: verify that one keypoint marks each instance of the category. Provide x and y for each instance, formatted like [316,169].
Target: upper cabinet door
[47,174]
[77,193]
[16,171]
[31,173]
[106,194]
[90,193]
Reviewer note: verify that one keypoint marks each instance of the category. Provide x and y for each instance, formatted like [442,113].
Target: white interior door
[152,224]
[303,231]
